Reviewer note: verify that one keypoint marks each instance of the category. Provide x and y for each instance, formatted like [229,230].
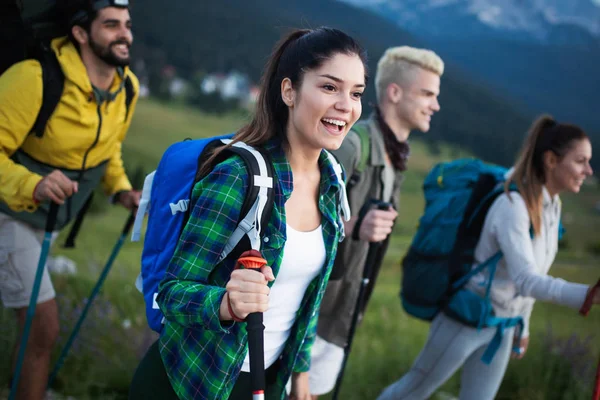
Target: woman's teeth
[335,122]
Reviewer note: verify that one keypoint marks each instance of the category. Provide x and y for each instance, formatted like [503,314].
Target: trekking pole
[50,222]
[95,291]
[371,255]
[585,309]
[252,259]
[596,395]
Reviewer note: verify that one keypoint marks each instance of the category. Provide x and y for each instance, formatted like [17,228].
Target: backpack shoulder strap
[365,146]
[365,151]
[129,95]
[343,197]
[53,81]
[143,207]
[258,203]
[343,206]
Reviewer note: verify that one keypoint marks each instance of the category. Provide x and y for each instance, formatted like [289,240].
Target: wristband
[230,309]
[36,201]
[587,304]
[117,196]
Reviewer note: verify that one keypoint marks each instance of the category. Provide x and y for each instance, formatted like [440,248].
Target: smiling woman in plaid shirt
[310,97]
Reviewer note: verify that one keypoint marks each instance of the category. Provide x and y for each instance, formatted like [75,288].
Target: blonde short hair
[397,64]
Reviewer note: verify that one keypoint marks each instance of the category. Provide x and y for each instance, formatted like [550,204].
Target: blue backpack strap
[485,317]
[501,325]
[490,262]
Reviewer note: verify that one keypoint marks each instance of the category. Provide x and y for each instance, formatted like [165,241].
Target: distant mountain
[531,20]
[559,80]
[216,36]
[543,54]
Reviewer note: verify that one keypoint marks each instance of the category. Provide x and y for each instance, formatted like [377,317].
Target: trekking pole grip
[383,205]
[380,205]
[52,216]
[252,259]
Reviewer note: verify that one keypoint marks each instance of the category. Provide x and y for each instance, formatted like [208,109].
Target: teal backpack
[439,262]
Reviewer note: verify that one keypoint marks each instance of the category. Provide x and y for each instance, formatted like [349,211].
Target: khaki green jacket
[341,294]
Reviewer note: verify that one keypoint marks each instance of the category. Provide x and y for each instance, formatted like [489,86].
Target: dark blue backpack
[166,198]
[458,195]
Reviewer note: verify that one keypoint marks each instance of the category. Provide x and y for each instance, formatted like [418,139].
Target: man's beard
[107,55]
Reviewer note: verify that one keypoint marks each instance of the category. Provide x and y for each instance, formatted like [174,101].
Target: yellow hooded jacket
[82,138]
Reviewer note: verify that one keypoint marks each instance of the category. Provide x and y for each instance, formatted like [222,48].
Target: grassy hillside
[115,335]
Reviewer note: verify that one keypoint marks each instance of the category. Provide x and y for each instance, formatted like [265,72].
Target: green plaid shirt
[202,355]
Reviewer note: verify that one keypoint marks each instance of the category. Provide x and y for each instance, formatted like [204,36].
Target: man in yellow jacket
[79,149]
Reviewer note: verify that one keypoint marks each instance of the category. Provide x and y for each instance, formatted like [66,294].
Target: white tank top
[303,258]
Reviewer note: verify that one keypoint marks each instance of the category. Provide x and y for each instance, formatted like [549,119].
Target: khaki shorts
[20,248]
[325,365]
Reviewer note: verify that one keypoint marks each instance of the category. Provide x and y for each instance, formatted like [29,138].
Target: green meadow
[560,363]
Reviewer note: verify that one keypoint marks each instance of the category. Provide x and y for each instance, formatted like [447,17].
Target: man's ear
[394,93]
[288,94]
[80,34]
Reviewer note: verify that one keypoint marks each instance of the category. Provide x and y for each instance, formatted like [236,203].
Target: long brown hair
[545,134]
[300,51]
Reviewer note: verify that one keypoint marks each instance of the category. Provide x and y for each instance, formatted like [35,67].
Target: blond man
[407,84]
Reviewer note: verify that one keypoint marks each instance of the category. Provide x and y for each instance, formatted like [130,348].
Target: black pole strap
[70,241]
